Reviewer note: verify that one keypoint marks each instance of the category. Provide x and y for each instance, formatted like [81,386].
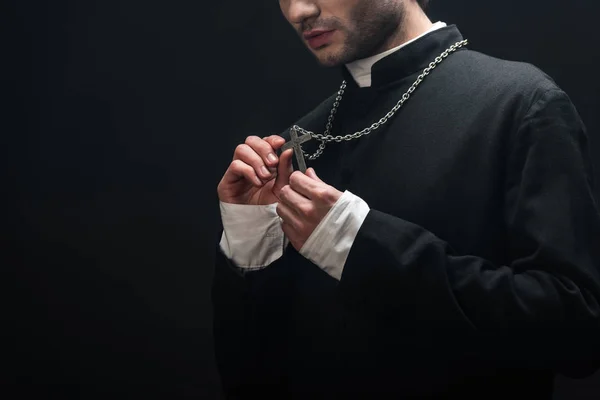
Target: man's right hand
[256,175]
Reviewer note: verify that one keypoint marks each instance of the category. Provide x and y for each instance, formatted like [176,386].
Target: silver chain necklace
[326,137]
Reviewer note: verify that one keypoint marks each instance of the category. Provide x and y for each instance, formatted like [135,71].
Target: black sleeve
[543,306]
[250,311]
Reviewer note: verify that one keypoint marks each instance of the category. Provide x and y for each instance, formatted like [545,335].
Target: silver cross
[295,143]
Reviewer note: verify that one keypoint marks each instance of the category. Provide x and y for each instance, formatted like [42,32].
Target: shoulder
[498,71]
[539,110]
[515,89]
[518,81]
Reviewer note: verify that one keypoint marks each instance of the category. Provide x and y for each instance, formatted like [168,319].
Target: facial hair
[372,25]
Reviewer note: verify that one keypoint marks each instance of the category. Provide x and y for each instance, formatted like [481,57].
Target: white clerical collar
[361,69]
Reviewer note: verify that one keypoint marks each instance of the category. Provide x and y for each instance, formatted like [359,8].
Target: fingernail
[271,157]
[265,171]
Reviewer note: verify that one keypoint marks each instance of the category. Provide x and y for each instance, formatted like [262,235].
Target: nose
[299,11]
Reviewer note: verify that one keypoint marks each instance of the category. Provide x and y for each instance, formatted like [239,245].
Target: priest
[428,231]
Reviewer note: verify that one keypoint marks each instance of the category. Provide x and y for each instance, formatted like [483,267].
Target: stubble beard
[370,33]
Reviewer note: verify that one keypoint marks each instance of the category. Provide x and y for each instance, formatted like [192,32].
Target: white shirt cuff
[329,245]
[252,236]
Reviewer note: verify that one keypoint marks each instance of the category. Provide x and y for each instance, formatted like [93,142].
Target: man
[448,249]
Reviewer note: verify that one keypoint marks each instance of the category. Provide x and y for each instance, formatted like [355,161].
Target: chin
[328,57]
[329,63]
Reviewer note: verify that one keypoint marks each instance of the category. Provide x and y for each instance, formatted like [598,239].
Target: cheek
[346,31]
[341,35]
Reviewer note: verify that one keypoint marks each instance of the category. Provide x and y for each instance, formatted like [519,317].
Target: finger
[288,216]
[239,170]
[246,154]
[284,170]
[306,186]
[311,172]
[299,204]
[264,149]
[275,141]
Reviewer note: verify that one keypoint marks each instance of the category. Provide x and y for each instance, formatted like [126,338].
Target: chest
[434,166]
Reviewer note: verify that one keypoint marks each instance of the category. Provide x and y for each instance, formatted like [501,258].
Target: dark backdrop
[122,117]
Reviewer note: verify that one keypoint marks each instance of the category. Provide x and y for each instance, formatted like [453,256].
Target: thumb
[311,172]
[284,170]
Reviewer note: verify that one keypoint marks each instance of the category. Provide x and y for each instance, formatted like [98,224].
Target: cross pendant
[296,144]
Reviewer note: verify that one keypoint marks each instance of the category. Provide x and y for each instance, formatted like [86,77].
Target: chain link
[326,137]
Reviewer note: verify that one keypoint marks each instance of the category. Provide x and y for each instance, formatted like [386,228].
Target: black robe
[477,270]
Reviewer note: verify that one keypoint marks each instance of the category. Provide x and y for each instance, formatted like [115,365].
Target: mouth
[318,38]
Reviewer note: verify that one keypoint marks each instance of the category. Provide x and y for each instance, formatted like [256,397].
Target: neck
[414,23]
[361,69]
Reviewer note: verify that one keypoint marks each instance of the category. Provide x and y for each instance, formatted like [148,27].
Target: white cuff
[330,243]
[252,236]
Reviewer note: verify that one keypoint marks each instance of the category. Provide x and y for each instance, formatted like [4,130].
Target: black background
[122,116]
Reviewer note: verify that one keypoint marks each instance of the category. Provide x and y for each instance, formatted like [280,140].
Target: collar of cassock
[402,61]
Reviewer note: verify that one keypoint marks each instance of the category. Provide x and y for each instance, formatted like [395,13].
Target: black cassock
[477,270]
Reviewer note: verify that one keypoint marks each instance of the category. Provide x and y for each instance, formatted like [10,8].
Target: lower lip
[321,40]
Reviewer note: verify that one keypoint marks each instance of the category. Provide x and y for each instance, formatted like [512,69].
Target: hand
[256,174]
[303,205]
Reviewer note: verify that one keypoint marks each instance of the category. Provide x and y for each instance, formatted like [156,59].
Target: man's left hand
[303,204]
